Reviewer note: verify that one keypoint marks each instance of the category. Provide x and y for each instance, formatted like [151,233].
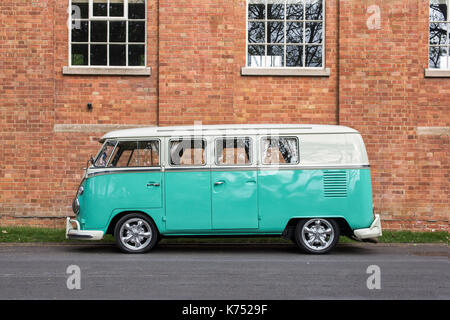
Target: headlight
[76,206]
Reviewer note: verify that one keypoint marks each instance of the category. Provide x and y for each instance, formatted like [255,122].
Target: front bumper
[77,233]
[374,231]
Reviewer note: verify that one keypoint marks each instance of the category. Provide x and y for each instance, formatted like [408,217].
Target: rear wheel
[135,233]
[317,235]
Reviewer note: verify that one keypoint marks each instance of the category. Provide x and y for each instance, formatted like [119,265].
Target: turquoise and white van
[308,183]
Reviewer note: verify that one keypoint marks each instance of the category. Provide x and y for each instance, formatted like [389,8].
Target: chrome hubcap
[135,234]
[317,234]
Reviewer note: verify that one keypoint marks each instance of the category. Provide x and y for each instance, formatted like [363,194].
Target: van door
[139,184]
[234,185]
[188,186]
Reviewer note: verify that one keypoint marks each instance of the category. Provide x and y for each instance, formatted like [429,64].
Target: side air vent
[335,184]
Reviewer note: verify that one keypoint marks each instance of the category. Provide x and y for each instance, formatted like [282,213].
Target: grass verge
[30,234]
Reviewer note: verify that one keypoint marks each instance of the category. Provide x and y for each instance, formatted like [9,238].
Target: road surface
[225,272]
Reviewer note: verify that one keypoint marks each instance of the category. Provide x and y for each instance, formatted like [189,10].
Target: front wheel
[317,235]
[135,233]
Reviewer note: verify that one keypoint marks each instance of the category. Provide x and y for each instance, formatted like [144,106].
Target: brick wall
[196,49]
[383,93]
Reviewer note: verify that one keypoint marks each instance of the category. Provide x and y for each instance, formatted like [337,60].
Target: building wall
[384,94]
[196,49]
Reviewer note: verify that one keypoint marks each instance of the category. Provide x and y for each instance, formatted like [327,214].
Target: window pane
[256,56]
[117,55]
[104,154]
[275,33]
[438,33]
[136,55]
[117,31]
[80,31]
[275,56]
[98,31]
[116,8]
[233,151]
[294,10]
[136,31]
[313,56]
[280,151]
[122,154]
[136,9]
[79,54]
[98,55]
[149,153]
[438,58]
[438,10]
[313,32]
[99,8]
[80,9]
[187,152]
[294,56]
[256,9]
[313,10]
[256,32]
[136,154]
[275,9]
[294,32]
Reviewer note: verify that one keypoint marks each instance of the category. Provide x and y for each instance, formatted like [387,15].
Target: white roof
[233,129]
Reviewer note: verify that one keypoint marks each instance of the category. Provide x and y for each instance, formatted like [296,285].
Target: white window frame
[285,44]
[72,69]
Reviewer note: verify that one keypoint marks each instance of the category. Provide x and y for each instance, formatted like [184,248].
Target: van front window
[135,154]
[105,153]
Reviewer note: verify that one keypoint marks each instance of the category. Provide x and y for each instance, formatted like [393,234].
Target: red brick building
[368,64]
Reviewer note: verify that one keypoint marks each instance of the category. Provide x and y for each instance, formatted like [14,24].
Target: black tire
[141,226]
[331,240]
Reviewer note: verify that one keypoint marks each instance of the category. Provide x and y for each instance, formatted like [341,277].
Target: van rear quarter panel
[287,194]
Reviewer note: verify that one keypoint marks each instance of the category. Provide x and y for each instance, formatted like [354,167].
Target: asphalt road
[225,272]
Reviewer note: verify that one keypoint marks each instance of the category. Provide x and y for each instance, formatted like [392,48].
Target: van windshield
[105,153]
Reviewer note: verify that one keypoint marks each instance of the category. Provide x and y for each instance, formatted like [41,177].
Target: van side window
[187,152]
[233,151]
[279,150]
[136,154]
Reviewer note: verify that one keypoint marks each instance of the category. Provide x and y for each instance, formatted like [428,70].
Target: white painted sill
[102,71]
[437,73]
[285,72]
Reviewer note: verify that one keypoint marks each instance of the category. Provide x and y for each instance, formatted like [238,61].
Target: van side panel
[285,194]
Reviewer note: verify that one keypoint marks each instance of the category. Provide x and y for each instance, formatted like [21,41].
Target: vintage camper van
[308,183]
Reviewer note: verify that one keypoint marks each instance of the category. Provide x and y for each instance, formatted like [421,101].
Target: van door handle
[217,183]
[153,184]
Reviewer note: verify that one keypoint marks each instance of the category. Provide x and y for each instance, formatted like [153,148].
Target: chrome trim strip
[231,168]
[109,171]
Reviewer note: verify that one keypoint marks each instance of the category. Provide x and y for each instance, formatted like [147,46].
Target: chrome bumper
[77,233]
[374,231]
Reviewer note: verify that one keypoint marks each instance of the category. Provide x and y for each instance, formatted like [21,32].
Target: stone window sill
[437,73]
[285,72]
[102,71]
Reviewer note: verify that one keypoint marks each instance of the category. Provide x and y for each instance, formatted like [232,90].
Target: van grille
[335,184]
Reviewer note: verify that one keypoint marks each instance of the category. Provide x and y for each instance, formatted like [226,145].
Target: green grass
[36,235]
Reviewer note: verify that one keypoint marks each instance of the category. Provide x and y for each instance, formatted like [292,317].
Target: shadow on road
[221,248]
